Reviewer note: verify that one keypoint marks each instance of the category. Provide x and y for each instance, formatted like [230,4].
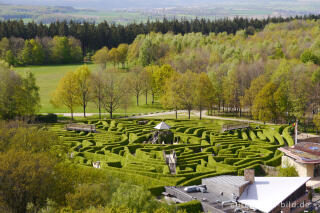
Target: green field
[48,78]
[202,150]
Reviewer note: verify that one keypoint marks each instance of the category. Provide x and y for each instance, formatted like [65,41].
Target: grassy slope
[48,78]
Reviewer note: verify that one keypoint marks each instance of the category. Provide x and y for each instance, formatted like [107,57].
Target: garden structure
[304,156]
[202,151]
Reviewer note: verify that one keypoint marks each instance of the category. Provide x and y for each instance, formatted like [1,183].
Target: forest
[273,74]
[95,36]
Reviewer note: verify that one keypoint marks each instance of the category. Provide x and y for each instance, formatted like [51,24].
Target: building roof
[162,125]
[266,193]
[228,179]
[305,152]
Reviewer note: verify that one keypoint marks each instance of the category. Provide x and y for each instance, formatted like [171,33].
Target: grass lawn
[49,76]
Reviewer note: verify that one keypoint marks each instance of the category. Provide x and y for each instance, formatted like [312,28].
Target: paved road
[185,112]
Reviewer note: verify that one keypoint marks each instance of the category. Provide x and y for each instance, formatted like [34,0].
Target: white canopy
[162,125]
[266,193]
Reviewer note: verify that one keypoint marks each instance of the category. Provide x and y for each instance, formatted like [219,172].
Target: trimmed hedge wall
[191,207]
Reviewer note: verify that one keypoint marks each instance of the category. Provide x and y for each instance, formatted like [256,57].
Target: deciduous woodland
[273,74]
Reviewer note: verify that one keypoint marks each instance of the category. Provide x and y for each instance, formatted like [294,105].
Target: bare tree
[97,93]
[113,91]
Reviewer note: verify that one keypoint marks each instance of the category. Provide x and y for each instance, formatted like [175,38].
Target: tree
[147,52]
[4,47]
[170,98]
[151,70]
[76,54]
[83,78]
[136,82]
[114,56]
[126,100]
[60,52]
[30,163]
[186,91]
[113,91]
[146,78]
[264,106]
[315,94]
[203,92]
[19,96]
[96,85]
[67,93]
[160,75]
[250,94]
[31,99]
[123,52]
[309,56]
[101,57]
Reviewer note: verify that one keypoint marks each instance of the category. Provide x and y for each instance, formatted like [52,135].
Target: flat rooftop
[228,179]
[305,152]
[213,199]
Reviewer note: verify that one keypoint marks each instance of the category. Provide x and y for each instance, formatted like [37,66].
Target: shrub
[49,118]
[192,206]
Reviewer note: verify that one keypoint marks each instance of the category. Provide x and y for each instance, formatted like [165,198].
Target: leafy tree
[4,47]
[67,93]
[114,56]
[31,99]
[147,52]
[203,92]
[170,98]
[250,94]
[160,75]
[264,106]
[101,57]
[31,163]
[123,52]
[19,96]
[187,85]
[308,56]
[60,52]
[89,195]
[83,78]
[76,54]
[135,198]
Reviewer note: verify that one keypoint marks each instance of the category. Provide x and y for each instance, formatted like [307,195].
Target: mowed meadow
[48,77]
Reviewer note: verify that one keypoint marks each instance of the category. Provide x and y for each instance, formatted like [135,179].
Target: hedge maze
[202,150]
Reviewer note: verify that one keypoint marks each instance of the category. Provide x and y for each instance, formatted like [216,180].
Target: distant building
[246,194]
[305,157]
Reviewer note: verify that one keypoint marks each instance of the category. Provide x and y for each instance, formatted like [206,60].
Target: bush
[289,171]
[49,118]
[193,206]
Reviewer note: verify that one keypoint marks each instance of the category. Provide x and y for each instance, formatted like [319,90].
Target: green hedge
[287,136]
[193,206]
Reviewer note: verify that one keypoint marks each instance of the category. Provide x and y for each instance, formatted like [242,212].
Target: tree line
[273,75]
[95,36]
[38,51]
